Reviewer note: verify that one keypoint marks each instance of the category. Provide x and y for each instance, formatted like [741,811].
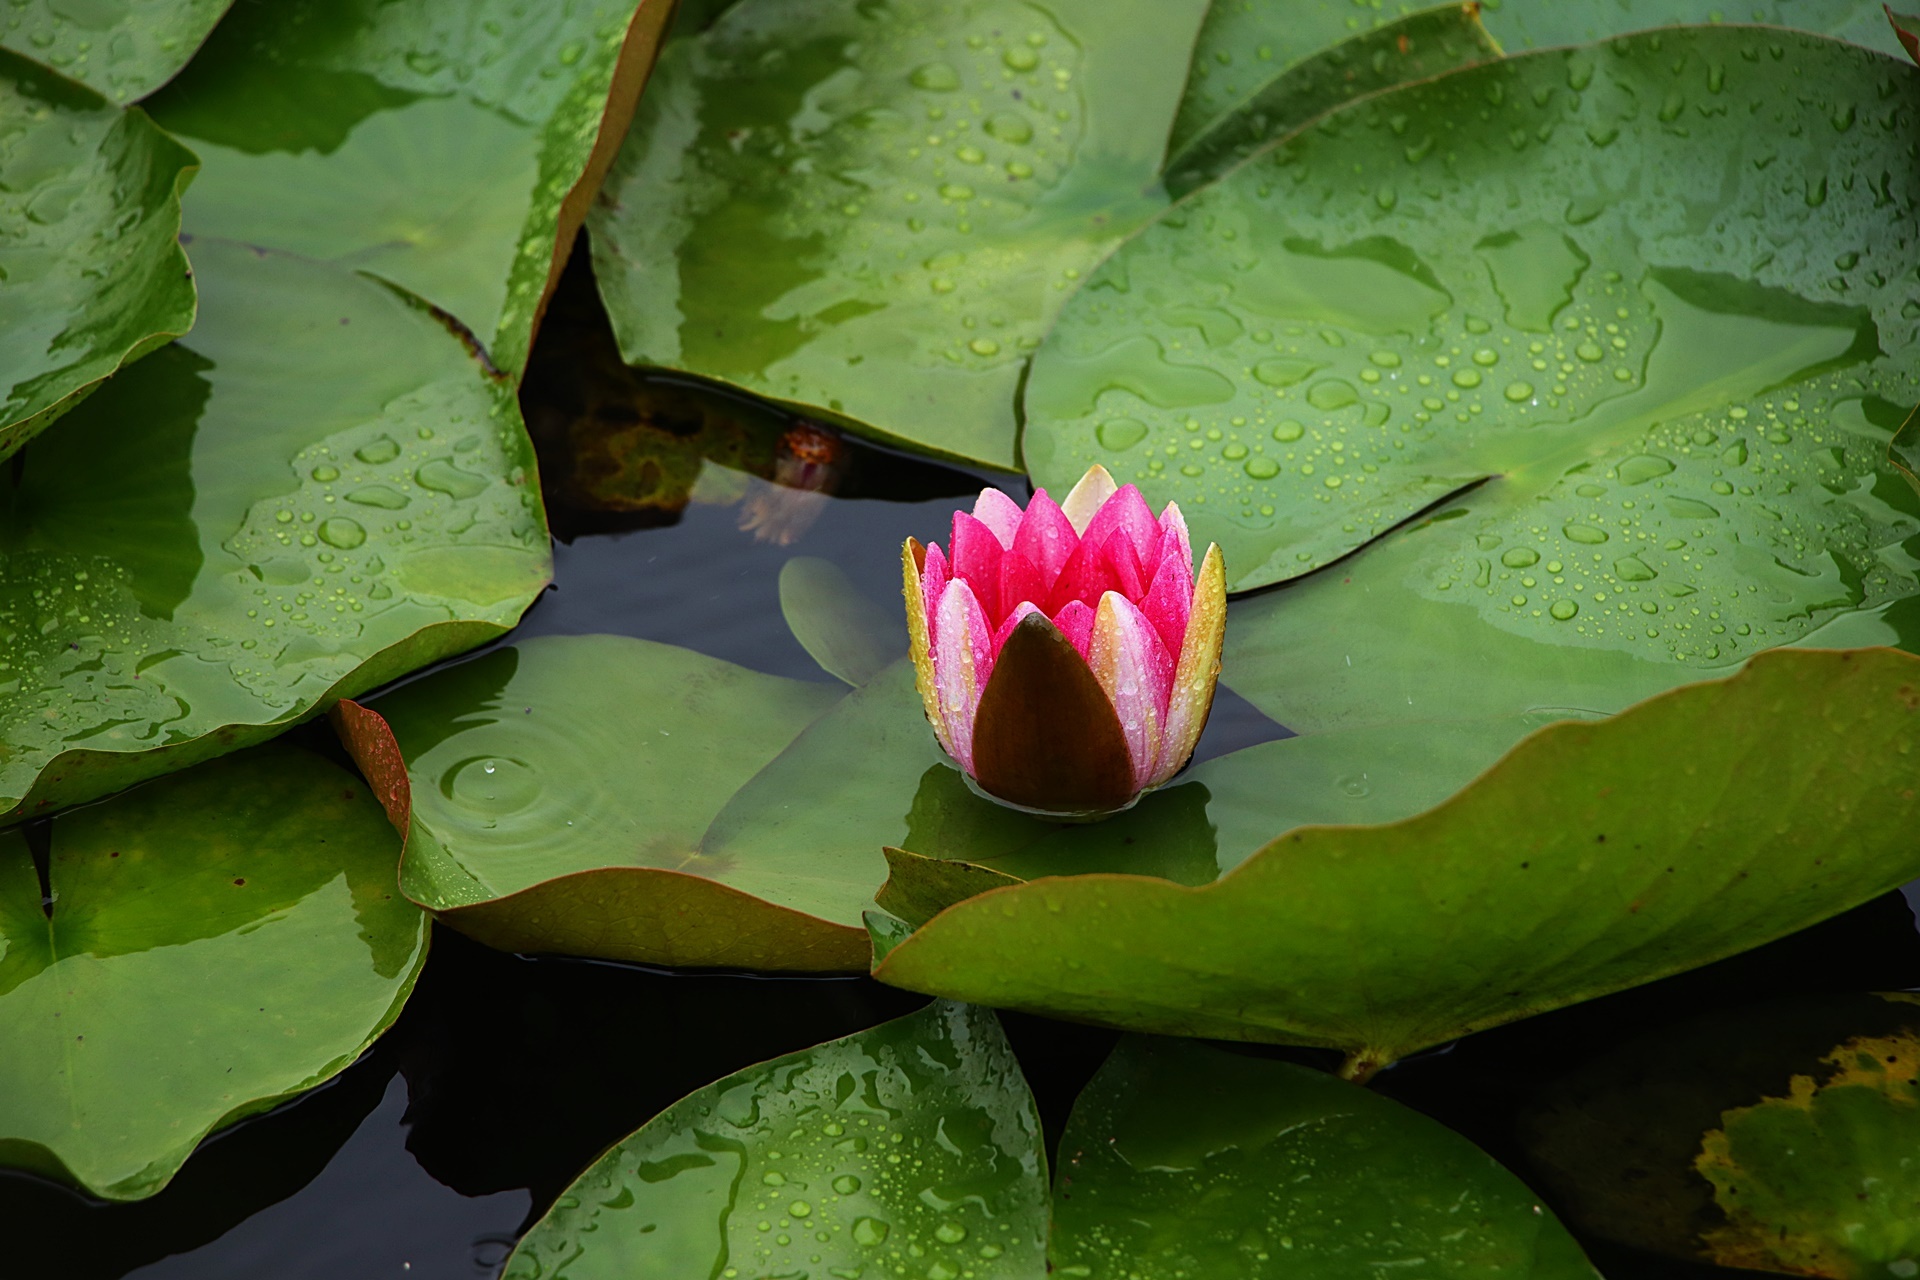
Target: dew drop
[1520,557]
[1519,391]
[937,77]
[377,451]
[870,1231]
[1121,434]
[949,1233]
[1562,610]
[342,533]
[1020,58]
[846,1184]
[1468,378]
[1288,431]
[325,474]
[1262,468]
[1585,534]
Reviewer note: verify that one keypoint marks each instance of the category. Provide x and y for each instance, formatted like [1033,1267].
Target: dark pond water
[507,1075]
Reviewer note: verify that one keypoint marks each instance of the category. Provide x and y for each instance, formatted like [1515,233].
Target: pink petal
[1173,525]
[1075,621]
[1123,565]
[1136,671]
[962,661]
[1022,582]
[1169,601]
[1006,628]
[1085,577]
[976,560]
[999,513]
[1046,540]
[1127,512]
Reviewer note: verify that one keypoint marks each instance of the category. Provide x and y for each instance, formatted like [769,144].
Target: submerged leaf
[92,275]
[1593,857]
[1184,1160]
[210,945]
[913,1144]
[849,635]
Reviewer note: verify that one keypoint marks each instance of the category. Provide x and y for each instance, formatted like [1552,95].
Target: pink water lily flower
[1066,653]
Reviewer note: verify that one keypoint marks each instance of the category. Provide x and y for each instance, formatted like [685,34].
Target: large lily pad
[913,1144]
[90,272]
[1592,857]
[451,150]
[874,211]
[1262,70]
[124,49]
[1185,1160]
[210,944]
[1676,390]
[324,491]
[561,796]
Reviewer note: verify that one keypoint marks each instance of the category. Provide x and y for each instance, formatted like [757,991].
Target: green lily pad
[915,1144]
[562,792]
[874,212]
[449,150]
[123,49]
[1777,1136]
[1534,25]
[1593,857]
[1262,70]
[92,274]
[1187,1160]
[1657,397]
[325,491]
[214,943]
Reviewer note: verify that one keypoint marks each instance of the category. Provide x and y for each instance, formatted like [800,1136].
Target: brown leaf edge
[640,915]
[1906,27]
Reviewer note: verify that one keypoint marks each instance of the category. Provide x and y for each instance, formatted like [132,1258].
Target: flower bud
[1066,653]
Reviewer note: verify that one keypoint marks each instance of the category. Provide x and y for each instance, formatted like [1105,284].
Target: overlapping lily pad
[89,268]
[1185,1160]
[207,946]
[1591,858]
[571,794]
[915,1144]
[451,150]
[124,49]
[914,1148]
[1310,351]
[324,490]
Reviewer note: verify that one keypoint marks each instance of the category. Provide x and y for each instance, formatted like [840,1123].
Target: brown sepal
[1045,736]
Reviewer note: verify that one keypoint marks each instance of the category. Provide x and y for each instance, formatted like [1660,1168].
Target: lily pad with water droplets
[90,271]
[873,212]
[208,946]
[325,490]
[123,49]
[1183,1160]
[1593,857]
[914,1144]
[1678,392]
[451,150]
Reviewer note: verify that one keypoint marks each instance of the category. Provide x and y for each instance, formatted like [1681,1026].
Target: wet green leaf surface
[1593,857]
[90,274]
[874,212]
[1185,1160]
[447,149]
[1260,72]
[215,942]
[1536,25]
[325,491]
[912,1148]
[124,49]
[1681,393]
[562,792]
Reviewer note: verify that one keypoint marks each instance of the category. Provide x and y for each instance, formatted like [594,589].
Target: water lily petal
[1169,601]
[1123,565]
[1135,670]
[919,638]
[1198,670]
[1127,512]
[1088,497]
[1005,629]
[1075,622]
[977,554]
[999,513]
[962,664]
[1173,535]
[1046,540]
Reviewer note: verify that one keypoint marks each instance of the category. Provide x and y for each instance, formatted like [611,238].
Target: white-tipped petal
[961,663]
[1127,659]
[1001,515]
[1198,669]
[1088,496]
